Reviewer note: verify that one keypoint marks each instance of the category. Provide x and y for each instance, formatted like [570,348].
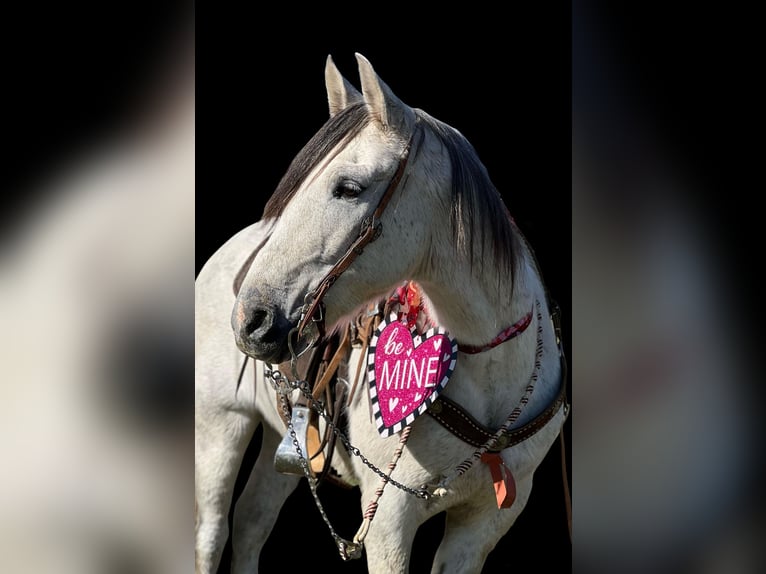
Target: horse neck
[474,306]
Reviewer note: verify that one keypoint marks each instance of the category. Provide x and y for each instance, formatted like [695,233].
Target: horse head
[368,150]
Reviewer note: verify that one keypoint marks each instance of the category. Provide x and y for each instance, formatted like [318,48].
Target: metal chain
[280,383]
[348,550]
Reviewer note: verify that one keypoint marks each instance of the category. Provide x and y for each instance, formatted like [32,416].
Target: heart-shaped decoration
[408,370]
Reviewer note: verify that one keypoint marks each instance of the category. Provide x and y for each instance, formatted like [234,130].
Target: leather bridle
[372,226]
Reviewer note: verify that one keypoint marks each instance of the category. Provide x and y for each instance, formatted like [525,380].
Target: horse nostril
[255,322]
[260,327]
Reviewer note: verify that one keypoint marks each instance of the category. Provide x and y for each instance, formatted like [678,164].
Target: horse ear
[389,110]
[340,92]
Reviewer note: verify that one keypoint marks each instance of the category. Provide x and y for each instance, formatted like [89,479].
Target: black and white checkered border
[386,431]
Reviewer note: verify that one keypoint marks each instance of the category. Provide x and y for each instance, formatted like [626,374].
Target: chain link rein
[284,386]
[348,550]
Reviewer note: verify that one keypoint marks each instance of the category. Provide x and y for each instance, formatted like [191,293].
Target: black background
[73,72]
[502,80]
[78,72]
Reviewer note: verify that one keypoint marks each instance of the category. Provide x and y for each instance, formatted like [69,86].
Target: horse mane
[476,205]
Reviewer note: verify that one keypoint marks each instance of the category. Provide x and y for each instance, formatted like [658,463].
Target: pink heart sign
[406,372]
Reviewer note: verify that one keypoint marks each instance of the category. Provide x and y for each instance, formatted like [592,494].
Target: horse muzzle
[260,328]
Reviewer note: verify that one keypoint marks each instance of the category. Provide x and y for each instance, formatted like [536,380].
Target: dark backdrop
[502,80]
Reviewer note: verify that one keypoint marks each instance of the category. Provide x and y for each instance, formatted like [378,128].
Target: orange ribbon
[505,485]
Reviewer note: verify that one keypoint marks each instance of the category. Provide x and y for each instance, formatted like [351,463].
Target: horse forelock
[338,130]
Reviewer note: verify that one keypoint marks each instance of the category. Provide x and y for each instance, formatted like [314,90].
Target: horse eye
[347,188]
